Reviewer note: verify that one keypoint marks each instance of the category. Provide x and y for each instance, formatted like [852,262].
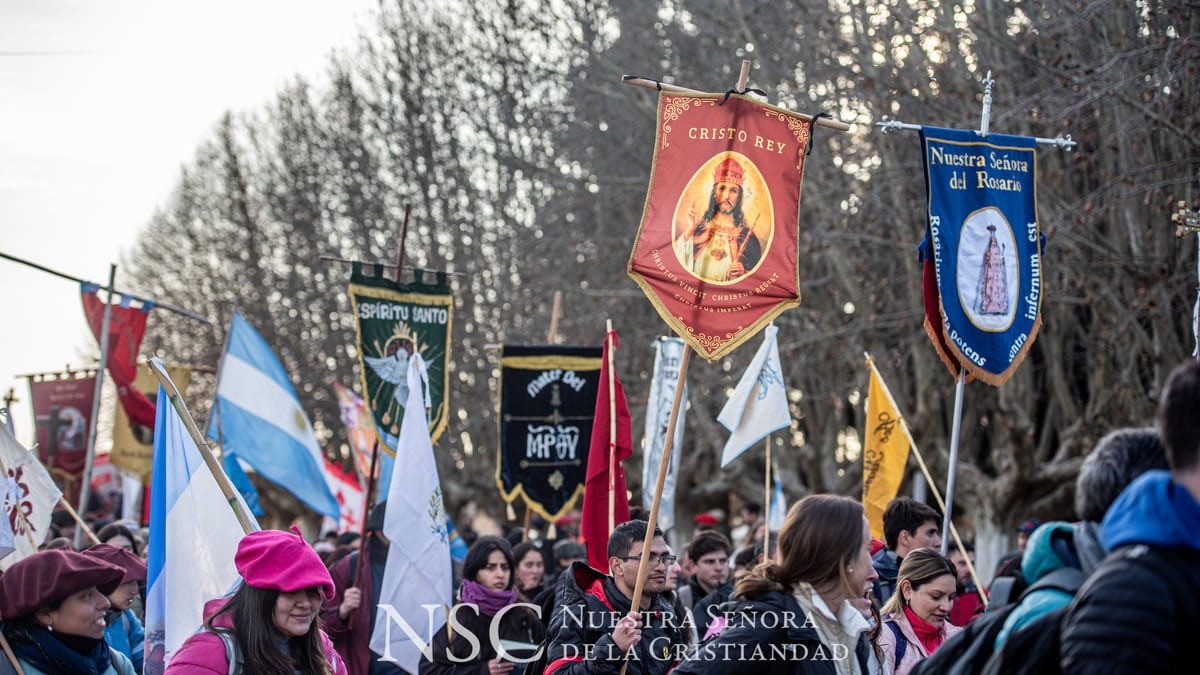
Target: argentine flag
[194,535]
[262,422]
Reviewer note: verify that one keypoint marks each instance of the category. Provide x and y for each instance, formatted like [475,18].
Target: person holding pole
[595,630]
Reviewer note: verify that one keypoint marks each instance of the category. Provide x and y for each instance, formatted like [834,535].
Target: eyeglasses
[654,558]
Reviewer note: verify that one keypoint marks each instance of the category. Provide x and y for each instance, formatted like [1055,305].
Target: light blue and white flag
[261,420]
[194,534]
[779,506]
[668,354]
[759,403]
[416,588]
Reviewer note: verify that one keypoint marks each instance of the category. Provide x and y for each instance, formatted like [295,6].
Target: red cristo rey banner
[717,249]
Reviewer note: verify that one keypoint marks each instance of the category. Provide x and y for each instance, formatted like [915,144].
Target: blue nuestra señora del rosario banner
[986,248]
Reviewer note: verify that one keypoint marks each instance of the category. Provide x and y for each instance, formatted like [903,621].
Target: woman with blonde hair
[794,614]
[914,619]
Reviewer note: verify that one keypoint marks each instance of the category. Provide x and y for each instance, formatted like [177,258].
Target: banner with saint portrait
[985,242]
[547,406]
[62,413]
[717,251]
[393,322]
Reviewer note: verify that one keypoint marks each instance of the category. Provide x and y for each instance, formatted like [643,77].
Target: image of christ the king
[721,246]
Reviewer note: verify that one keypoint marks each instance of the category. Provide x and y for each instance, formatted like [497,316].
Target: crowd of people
[1117,590]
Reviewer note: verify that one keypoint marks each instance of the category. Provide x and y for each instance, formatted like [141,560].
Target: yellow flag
[130,452]
[885,451]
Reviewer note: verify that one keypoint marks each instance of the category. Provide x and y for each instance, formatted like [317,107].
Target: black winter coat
[519,624]
[1138,613]
[587,608]
[770,635]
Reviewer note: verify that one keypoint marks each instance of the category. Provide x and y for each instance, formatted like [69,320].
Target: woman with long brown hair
[269,625]
[794,615]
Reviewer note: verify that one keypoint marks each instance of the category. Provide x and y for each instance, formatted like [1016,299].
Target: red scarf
[929,634]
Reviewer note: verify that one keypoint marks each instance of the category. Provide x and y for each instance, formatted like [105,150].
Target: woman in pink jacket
[914,619]
[269,624]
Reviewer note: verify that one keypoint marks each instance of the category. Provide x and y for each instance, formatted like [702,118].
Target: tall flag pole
[884,460]
[982,255]
[717,250]
[86,480]
[605,504]
[193,537]
[551,338]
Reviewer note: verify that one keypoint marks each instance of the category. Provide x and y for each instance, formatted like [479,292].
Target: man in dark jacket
[593,631]
[1139,610]
[710,585]
[907,525]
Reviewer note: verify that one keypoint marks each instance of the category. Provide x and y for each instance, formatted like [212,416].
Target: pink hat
[281,561]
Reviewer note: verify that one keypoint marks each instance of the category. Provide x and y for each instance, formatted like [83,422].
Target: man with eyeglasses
[593,630]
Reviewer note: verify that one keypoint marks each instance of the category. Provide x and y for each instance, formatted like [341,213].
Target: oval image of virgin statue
[987,270]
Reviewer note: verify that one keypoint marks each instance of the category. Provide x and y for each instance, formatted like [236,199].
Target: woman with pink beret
[269,625]
[53,604]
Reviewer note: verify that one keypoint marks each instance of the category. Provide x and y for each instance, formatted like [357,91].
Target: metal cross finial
[986,120]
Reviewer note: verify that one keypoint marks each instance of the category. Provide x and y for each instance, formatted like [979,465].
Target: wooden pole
[85,487]
[612,429]
[12,658]
[675,89]
[663,464]
[767,505]
[362,541]
[403,237]
[83,528]
[206,452]
[937,496]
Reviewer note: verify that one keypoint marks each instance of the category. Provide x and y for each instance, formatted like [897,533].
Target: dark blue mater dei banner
[986,246]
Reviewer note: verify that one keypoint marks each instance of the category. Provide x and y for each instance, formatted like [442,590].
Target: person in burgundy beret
[270,621]
[124,632]
[53,605]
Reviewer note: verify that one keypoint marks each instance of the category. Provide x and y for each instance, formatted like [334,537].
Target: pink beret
[135,569]
[281,561]
[51,576]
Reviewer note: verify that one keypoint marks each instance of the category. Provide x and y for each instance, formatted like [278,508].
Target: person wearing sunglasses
[594,627]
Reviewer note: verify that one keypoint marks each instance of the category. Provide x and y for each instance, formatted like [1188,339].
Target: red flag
[603,453]
[126,327]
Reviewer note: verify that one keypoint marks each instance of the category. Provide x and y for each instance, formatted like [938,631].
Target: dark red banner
[717,251]
[126,326]
[62,411]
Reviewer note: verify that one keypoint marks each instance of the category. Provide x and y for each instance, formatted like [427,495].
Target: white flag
[27,507]
[759,403]
[668,353]
[416,588]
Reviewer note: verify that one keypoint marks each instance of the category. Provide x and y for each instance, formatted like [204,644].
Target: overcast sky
[101,103]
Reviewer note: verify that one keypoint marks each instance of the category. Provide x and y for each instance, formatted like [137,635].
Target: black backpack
[968,652]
